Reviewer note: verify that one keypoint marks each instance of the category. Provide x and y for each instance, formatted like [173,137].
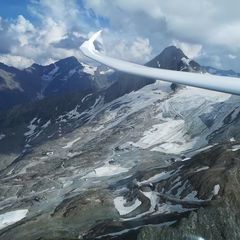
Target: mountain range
[68,75]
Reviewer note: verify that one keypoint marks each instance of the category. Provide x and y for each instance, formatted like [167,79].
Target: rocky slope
[220,219]
[17,87]
[144,164]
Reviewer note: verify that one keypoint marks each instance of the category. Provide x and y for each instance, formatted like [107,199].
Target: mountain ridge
[69,75]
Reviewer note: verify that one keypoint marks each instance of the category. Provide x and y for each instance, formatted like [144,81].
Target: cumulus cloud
[190,50]
[21,30]
[134,48]
[18,61]
[23,42]
[209,25]
[135,30]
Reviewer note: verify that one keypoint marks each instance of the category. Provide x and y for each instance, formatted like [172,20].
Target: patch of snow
[120,202]
[70,144]
[232,139]
[74,114]
[158,177]
[88,69]
[12,217]
[49,153]
[46,124]
[67,184]
[216,189]
[115,234]
[186,61]
[10,172]
[192,196]
[153,197]
[205,148]
[107,170]
[202,169]
[235,148]
[2,136]
[73,154]
[32,127]
[86,97]
[107,72]
[168,137]
[49,77]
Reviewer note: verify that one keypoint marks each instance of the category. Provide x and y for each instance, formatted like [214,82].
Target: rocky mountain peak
[69,62]
[172,51]
[173,58]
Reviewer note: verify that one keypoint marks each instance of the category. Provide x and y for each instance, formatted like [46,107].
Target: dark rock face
[173,58]
[18,87]
[64,76]
[125,83]
[15,122]
[220,220]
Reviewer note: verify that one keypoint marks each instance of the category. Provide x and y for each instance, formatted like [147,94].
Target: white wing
[211,82]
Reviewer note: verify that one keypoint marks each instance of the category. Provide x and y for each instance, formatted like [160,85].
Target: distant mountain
[37,82]
[68,75]
[173,58]
[69,84]
[64,76]
[220,72]
[17,87]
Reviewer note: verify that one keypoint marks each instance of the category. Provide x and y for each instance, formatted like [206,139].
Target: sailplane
[200,80]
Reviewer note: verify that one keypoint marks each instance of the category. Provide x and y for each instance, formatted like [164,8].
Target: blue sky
[44,31]
[13,8]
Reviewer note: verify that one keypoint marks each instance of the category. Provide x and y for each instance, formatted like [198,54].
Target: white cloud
[24,42]
[190,50]
[137,30]
[227,35]
[207,25]
[22,25]
[52,33]
[16,61]
[198,21]
[21,30]
[232,56]
[137,49]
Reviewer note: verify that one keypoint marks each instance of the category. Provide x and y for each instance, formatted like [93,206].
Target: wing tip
[89,44]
